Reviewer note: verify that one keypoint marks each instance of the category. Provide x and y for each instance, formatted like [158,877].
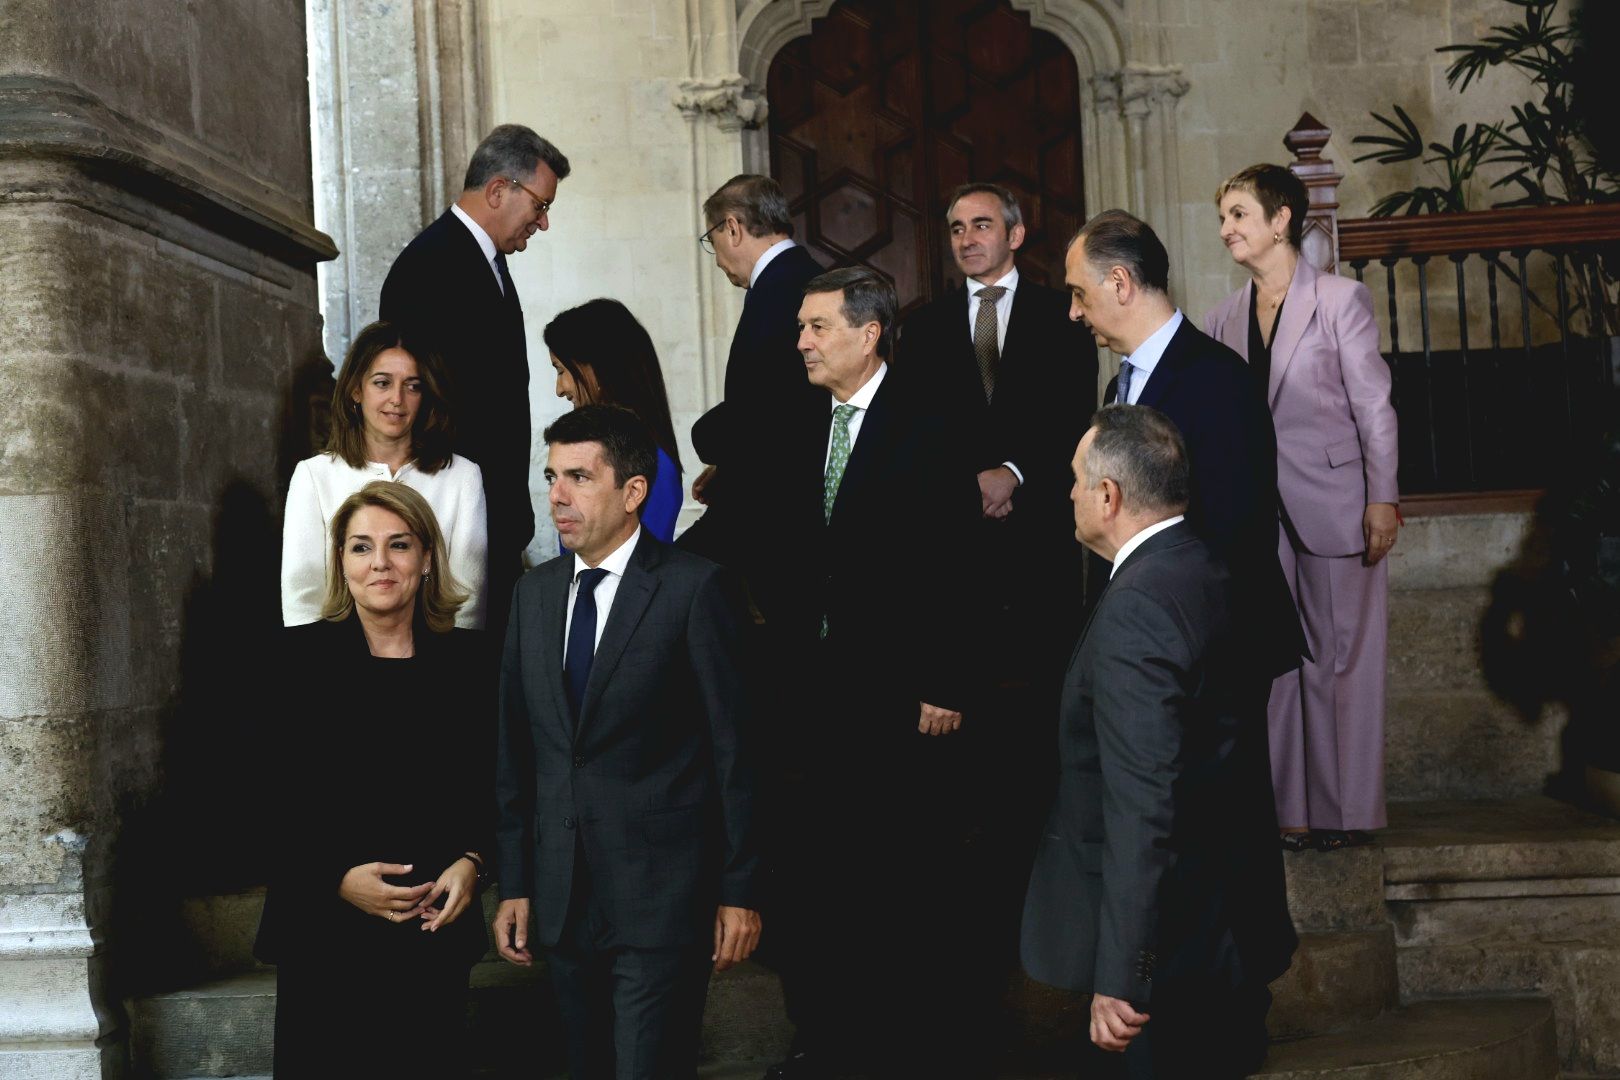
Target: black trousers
[630,1013]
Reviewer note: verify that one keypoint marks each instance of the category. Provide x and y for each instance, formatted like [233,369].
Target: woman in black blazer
[380,735]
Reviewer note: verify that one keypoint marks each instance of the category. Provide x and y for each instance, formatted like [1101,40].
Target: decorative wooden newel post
[1320,243]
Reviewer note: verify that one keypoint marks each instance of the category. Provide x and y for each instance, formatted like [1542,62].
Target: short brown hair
[757,202]
[1273,187]
[868,297]
[440,594]
[1116,238]
[433,431]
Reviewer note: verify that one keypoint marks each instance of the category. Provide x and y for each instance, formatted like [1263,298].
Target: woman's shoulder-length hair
[440,594]
[433,433]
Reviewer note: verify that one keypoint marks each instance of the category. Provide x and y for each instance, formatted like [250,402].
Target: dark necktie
[504,275]
[985,347]
[582,638]
[1122,393]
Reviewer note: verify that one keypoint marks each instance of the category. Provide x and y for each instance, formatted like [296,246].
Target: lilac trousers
[1327,718]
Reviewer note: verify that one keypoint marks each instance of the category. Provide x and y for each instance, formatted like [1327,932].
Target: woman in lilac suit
[1313,344]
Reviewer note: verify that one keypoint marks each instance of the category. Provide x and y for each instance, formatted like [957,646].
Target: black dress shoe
[796,1066]
[1337,839]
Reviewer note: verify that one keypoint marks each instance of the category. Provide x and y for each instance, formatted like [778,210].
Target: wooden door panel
[886,107]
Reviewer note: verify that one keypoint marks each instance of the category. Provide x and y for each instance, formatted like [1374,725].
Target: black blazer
[1213,397]
[442,290]
[348,740]
[764,371]
[892,570]
[1046,388]
[653,785]
[1160,859]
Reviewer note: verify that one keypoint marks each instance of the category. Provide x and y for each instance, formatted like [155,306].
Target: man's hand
[1114,1023]
[736,936]
[364,887]
[701,483]
[937,721]
[512,931]
[1378,528]
[996,487]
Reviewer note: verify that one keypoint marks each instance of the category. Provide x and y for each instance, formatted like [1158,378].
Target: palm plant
[1545,145]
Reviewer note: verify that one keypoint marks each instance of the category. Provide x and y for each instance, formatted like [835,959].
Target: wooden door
[887,107]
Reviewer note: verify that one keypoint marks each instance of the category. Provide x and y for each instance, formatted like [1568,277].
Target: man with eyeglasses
[750,235]
[451,287]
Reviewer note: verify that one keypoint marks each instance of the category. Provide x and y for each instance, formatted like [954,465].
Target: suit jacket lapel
[553,631]
[874,427]
[629,605]
[1168,369]
[1298,308]
[1018,322]
[1234,331]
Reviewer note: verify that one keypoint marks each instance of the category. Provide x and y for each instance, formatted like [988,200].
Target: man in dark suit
[750,234]
[868,597]
[1159,883]
[451,287]
[1018,378]
[1118,275]
[624,796]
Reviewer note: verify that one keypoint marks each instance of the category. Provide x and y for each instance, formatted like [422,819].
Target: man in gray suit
[625,799]
[1158,886]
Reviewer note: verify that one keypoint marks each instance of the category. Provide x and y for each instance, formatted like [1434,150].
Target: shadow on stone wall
[1552,631]
[204,833]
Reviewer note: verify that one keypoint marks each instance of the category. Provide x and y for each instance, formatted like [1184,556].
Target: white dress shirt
[606,589]
[1008,281]
[485,244]
[1136,541]
[1003,306]
[765,258]
[319,486]
[1147,355]
[862,400]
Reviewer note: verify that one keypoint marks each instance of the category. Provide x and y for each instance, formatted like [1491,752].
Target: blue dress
[664,500]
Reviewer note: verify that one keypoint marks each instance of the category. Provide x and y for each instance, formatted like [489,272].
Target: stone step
[1512,896]
[1338,979]
[1473,1039]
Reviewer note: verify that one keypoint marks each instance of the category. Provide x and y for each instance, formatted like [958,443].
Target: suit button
[579,762]
[568,823]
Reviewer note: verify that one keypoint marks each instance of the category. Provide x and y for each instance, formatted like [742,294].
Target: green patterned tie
[837,459]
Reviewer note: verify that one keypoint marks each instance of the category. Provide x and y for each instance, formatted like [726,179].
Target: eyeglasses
[541,206]
[707,239]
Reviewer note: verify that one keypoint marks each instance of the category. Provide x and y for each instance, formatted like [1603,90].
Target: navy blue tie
[582,638]
[1122,392]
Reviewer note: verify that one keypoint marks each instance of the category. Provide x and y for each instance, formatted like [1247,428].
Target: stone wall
[160,294]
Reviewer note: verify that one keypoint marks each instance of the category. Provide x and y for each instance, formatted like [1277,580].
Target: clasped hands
[438,903]
[996,487]
[736,934]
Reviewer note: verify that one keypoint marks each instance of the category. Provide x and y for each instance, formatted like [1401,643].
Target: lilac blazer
[1329,396]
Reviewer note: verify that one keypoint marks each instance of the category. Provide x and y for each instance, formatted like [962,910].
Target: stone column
[159,294]
[726,117]
[1147,96]
[398,96]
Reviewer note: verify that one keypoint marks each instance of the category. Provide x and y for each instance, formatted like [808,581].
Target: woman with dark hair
[1312,342]
[379,736]
[390,421]
[603,356]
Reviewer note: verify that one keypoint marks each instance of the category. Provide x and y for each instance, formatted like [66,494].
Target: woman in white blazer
[390,421]
[1313,342]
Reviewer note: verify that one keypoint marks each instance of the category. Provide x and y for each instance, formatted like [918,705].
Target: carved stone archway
[1128,106]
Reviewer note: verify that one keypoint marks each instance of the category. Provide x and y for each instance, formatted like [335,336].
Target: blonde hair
[440,594]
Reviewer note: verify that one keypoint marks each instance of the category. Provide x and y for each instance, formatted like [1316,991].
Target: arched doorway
[885,107]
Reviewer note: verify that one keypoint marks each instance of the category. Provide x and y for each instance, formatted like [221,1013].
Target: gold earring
[1276,238]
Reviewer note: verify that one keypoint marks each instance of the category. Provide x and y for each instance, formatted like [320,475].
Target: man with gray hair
[451,288]
[869,606]
[1158,887]
[750,234]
